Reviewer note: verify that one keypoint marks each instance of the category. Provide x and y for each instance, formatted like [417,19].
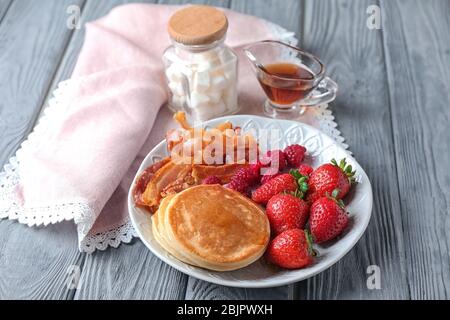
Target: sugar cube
[201,81]
[229,70]
[198,100]
[230,98]
[219,83]
[210,111]
[201,57]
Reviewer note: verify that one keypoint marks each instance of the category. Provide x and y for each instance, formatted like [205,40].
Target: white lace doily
[78,210]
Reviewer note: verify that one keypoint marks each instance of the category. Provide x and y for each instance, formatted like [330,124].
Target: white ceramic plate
[321,149]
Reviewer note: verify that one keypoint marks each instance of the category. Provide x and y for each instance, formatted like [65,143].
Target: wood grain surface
[392,108]
[4,6]
[33,262]
[417,54]
[351,51]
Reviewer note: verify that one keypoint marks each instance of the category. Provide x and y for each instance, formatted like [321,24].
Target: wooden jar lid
[198,25]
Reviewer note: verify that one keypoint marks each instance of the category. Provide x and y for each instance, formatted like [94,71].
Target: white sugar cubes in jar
[201,71]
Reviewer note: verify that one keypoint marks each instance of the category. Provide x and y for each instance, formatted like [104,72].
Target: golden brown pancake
[156,227]
[213,227]
[173,178]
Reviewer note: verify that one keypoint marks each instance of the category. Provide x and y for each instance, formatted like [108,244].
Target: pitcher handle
[324,93]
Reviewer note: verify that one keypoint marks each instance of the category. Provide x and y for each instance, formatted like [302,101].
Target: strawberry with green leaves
[302,183]
[292,249]
[328,218]
[292,182]
[282,183]
[329,177]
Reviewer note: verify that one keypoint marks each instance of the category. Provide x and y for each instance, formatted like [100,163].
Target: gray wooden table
[393,107]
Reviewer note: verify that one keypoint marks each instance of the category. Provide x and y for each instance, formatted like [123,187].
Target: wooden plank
[417,50]
[34,262]
[129,272]
[287,14]
[336,31]
[201,290]
[4,6]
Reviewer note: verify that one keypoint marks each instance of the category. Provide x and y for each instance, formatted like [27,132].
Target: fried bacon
[162,181]
[224,173]
[144,179]
[165,178]
[195,145]
[170,177]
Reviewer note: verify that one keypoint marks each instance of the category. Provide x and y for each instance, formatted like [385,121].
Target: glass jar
[202,75]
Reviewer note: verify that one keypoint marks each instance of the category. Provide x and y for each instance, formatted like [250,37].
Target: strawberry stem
[335,193]
[346,169]
[309,240]
[334,196]
[302,183]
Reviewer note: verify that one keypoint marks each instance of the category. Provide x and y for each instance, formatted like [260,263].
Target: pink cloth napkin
[81,160]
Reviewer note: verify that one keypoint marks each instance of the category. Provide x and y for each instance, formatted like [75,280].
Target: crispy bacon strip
[167,177]
[224,173]
[143,180]
[188,137]
[165,181]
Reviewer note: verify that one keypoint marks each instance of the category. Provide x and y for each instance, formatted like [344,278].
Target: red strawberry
[295,154]
[329,177]
[269,175]
[275,159]
[291,250]
[328,219]
[285,212]
[211,180]
[284,182]
[305,169]
[266,178]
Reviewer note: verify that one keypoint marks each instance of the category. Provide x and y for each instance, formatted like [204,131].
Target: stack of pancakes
[212,227]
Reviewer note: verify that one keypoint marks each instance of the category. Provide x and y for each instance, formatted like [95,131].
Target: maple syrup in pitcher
[286,93]
[290,85]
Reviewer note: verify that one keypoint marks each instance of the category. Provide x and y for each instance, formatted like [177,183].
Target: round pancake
[159,236]
[216,227]
[158,229]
